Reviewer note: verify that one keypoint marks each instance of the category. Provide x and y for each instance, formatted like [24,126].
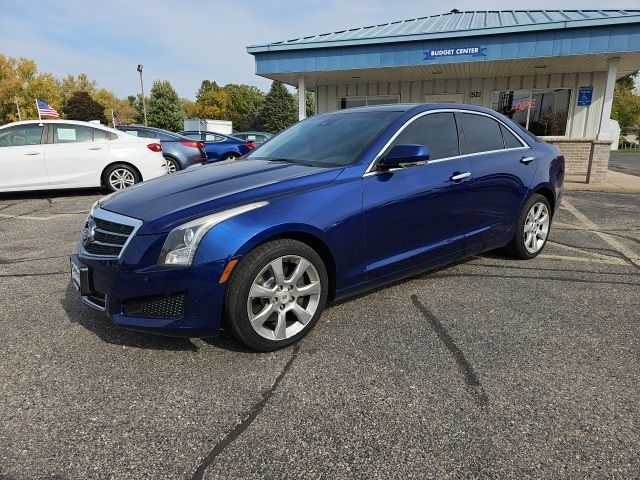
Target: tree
[279,109]
[81,106]
[626,104]
[205,87]
[245,102]
[72,84]
[135,101]
[21,83]
[164,107]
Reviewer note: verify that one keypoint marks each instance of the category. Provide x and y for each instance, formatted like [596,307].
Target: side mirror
[400,155]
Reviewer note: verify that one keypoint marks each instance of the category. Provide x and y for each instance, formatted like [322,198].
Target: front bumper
[173,301]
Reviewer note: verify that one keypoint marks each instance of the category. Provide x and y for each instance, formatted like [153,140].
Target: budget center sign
[455,52]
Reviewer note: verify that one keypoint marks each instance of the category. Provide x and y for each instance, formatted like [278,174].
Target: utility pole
[144,104]
[18,107]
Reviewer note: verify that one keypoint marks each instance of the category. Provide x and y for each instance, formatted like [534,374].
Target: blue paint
[374,229]
[545,44]
[584,96]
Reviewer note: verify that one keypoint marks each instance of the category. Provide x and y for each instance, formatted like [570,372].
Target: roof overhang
[562,51]
[629,63]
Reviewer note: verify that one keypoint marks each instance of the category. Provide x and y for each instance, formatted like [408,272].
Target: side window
[194,136]
[510,141]
[102,135]
[21,135]
[482,134]
[72,134]
[437,131]
[209,137]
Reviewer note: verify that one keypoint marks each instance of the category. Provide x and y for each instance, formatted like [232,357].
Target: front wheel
[532,228]
[120,176]
[276,295]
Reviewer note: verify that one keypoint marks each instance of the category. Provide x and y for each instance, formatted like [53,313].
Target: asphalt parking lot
[491,368]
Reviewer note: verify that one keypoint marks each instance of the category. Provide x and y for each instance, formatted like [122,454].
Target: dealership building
[552,71]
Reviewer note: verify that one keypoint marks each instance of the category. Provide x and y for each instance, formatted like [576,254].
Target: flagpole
[39,116]
[18,107]
[113,124]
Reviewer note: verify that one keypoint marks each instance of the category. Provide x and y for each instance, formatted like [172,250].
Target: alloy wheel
[121,178]
[284,297]
[536,227]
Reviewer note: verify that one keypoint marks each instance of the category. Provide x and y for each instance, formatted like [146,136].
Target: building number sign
[475,94]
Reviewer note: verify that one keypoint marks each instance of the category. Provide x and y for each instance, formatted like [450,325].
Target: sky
[188,41]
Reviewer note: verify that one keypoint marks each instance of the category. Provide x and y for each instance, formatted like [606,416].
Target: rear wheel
[172,165]
[532,228]
[276,295]
[120,176]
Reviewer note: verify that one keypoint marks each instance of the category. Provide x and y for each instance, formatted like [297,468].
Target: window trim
[370,169]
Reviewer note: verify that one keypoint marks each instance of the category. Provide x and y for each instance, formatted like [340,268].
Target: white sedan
[48,154]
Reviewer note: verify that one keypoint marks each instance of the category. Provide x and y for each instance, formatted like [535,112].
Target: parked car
[333,206]
[220,147]
[179,151]
[52,154]
[256,137]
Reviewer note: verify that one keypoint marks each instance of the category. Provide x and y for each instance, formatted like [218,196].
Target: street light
[144,104]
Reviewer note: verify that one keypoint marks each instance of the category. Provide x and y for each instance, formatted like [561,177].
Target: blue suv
[335,205]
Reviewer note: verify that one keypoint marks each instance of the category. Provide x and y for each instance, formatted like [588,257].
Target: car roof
[61,120]
[153,129]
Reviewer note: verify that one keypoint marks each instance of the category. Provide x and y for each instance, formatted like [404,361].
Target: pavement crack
[239,429]
[471,379]
[534,277]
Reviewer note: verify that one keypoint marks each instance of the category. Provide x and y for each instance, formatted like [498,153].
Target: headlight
[180,246]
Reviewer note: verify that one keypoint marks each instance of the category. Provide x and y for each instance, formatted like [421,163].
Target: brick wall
[584,156]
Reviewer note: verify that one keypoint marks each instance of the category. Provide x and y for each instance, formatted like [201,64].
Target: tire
[173,165]
[534,217]
[229,156]
[278,316]
[119,176]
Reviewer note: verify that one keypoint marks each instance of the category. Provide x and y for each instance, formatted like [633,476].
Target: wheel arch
[547,193]
[308,238]
[128,164]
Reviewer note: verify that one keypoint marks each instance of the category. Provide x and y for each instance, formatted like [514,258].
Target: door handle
[95,148]
[456,177]
[527,160]
[32,153]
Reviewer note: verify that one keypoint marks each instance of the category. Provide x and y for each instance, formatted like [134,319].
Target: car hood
[171,200]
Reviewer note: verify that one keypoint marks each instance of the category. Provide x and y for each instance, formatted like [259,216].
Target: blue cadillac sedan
[335,205]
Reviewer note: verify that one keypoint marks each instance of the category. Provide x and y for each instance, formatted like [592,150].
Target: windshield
[326,140]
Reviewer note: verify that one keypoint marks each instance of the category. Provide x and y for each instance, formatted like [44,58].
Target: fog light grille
[158,306]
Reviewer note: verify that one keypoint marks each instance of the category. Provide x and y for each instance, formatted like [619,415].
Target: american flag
[46,110]
[201,125]
[115,119]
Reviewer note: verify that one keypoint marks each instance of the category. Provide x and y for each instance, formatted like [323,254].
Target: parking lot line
[592,227]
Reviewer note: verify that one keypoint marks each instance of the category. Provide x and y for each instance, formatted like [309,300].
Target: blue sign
[454,52]
[584,96]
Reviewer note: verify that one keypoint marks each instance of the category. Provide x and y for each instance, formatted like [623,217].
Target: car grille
[158,306]
[107,238]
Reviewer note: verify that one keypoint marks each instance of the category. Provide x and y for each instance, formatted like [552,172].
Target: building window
[352,102]
[542,112]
